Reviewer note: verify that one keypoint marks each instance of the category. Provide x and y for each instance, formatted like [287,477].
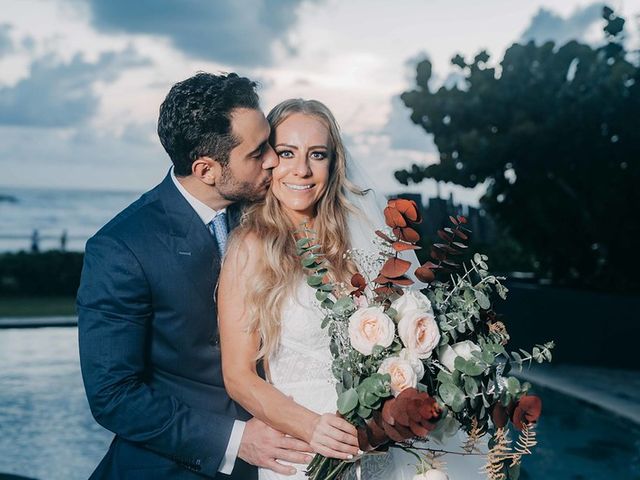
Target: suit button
[214,340]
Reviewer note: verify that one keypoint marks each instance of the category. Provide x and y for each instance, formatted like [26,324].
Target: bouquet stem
[323,468]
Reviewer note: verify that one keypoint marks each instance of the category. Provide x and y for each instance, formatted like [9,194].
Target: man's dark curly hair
[195,118]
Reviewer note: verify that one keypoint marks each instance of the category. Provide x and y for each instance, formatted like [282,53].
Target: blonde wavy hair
[279,268]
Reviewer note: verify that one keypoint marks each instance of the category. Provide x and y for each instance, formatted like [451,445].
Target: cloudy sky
[81,80]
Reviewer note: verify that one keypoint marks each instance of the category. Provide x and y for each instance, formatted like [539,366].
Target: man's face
[247,174]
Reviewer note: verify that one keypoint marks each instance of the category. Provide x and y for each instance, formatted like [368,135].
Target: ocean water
[47,432]
[80,212]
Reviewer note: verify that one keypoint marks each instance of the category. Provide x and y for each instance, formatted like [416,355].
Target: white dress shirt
[207,214]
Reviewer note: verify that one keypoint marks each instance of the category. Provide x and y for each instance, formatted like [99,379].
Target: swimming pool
[47,432]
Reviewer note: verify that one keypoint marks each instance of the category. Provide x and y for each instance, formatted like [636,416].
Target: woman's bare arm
[327,434]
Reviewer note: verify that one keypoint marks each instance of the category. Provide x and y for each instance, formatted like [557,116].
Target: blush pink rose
[419,332]
[369,327]
[403,374]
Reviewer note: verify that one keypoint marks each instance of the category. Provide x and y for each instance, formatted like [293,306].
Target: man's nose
[269,158]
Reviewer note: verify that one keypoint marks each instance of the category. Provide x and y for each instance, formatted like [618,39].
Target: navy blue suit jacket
[149,347]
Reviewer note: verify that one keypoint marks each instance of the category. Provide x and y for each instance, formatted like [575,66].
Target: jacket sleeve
[114,321]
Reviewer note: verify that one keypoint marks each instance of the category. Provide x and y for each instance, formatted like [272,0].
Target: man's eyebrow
[259,148]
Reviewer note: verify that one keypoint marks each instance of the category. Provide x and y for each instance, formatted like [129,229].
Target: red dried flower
[527,411]
[359,283]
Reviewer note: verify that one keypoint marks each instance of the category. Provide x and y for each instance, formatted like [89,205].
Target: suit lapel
[189,241]
[234,215]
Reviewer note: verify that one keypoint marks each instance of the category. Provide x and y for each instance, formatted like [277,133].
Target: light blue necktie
[218,228]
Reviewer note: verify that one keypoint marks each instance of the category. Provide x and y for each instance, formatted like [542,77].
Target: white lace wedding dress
[301,368]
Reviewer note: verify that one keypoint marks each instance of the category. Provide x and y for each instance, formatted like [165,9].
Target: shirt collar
[204,211]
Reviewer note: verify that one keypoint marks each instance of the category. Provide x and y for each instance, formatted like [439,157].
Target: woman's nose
[301,167]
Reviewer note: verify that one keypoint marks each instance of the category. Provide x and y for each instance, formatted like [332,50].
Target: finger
[338,446]
[343,425]
[271,464]
[293,456]
[331,453]
[342,437]
[291,443]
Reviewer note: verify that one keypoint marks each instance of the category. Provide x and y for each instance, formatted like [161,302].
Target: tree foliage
[552,133]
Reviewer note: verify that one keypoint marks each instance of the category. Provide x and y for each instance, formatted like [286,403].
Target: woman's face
[301,177]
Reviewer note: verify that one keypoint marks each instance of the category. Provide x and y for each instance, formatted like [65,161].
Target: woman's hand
[334,437]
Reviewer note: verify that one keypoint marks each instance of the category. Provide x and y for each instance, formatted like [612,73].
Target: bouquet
[412,364]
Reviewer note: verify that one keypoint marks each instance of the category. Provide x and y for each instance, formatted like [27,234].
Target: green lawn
[37,306]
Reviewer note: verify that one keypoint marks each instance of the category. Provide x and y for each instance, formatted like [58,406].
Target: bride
[267,313]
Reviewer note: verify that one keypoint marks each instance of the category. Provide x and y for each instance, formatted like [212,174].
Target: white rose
[403,375]
[415,362]
[447,354]
[432,474]
[419,332]
[411,300]
[369,327]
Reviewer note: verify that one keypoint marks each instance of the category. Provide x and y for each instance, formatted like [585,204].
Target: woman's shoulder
[243,251]
[243,239]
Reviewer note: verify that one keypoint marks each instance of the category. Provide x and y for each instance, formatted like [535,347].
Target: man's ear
[207,170]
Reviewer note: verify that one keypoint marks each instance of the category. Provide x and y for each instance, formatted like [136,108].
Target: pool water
[47,432]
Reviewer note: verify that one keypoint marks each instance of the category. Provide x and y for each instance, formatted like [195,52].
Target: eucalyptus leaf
[309,262]
[444,377]
[347,379]
[347,401]
[487,357]
[470,386]
[364,412]
[377,350]
[483,300]
[303,242]
[469,367]
[366,397]
[513,385]
[321,296]
[451,395]
[328,303]
[314,280]
[343,306]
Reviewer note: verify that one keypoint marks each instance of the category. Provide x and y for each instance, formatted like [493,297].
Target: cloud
[6,44]
[61,94]
[403,133]
[227,31]
[81,157]
[547,25]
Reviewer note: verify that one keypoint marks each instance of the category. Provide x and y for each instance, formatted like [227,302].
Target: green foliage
[51,273]
[552,132]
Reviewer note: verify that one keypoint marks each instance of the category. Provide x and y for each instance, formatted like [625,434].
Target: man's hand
[262,445]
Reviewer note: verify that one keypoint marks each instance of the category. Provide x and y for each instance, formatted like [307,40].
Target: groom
[147,310]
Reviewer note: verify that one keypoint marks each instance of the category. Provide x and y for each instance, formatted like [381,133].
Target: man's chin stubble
[245,192]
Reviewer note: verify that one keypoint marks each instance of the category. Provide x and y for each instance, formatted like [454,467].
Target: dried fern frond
[473,437]
[526,441]
[431,460]
[435,460]
[497,455]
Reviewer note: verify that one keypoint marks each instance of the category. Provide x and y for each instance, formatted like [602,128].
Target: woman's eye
[318,155]
[285,154]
